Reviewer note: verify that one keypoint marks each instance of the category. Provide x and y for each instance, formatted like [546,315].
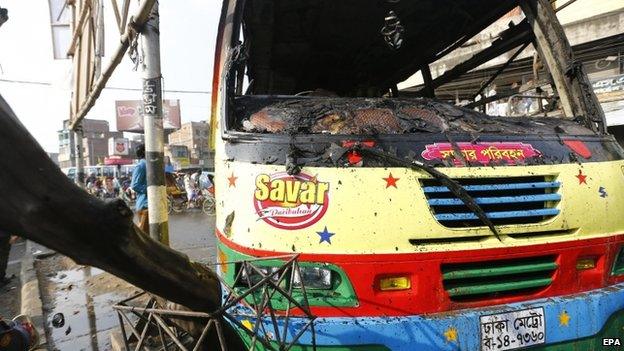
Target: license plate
[512,330]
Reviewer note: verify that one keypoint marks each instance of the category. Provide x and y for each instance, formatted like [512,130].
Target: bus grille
[517,200]
[495,279]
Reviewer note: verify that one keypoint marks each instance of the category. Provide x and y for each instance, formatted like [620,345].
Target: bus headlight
[254,277]
[313,278]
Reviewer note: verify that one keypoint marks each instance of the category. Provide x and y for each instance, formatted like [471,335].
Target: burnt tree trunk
[41,204]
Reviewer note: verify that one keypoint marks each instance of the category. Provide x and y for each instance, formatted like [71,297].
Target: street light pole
[154,133]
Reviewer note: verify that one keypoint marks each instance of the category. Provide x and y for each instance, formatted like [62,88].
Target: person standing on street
[139,186]
[168,166]
[5,248]
[190,190]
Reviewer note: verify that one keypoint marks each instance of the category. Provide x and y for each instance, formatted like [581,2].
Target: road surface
[193,234]
[85,295]
[10,293]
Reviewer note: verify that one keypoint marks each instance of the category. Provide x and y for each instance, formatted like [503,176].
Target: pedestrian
[195,178]
[139,186]
[90,181]
[168,166]
[116,181]
[5,248]
[116,186]
[190,190]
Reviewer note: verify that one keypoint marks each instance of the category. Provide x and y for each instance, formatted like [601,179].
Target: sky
[188,32]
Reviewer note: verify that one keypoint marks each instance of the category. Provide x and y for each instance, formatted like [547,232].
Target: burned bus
[415,224]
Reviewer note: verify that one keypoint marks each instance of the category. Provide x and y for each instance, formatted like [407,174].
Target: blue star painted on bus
[325,236]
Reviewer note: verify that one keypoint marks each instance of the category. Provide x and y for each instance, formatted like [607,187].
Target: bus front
[415,224]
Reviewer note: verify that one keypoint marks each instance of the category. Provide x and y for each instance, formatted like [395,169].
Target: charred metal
[323,72]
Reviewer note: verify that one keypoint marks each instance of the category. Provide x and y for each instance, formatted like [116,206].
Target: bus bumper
[575,322]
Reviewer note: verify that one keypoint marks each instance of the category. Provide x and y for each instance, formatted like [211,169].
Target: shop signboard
[118,147]
[130,115]
[609,85]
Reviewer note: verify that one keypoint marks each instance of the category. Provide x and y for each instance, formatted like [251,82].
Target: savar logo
[290,201]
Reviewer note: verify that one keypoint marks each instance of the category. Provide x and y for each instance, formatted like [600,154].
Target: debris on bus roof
[371,116]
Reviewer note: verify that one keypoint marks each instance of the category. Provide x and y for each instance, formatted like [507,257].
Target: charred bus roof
[354,47]
[332,67]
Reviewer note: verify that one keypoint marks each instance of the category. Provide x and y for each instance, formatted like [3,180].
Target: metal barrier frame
[236,305]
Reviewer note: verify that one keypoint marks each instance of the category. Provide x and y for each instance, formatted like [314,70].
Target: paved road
[10,294]
[85,296]
[193,234]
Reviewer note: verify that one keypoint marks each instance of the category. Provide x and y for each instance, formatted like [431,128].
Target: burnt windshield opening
[352,48]
[332,67]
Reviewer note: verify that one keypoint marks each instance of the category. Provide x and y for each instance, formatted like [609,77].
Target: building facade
[178,156]
[95,143]
[584,21]
[596,32]
[194,135]
[67,147]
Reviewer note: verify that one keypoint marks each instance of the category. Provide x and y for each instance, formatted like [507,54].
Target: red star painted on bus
[581,177]
[391,181]
[232,180]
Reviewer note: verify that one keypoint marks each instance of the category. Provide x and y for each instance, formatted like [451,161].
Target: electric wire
[16,81]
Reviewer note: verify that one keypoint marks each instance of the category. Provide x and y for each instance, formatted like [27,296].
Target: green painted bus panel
[483,288]
[498,271]
[341,295]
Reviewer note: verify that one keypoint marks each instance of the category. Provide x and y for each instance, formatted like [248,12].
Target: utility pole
[154,133]
[79,156]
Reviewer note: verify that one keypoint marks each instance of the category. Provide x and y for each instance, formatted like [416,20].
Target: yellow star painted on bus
[247,324]
[564,319]
[451,334]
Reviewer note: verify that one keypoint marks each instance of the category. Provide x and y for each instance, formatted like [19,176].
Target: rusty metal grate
[267,326]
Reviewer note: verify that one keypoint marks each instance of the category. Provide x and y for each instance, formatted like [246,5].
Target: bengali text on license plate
[512,330]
